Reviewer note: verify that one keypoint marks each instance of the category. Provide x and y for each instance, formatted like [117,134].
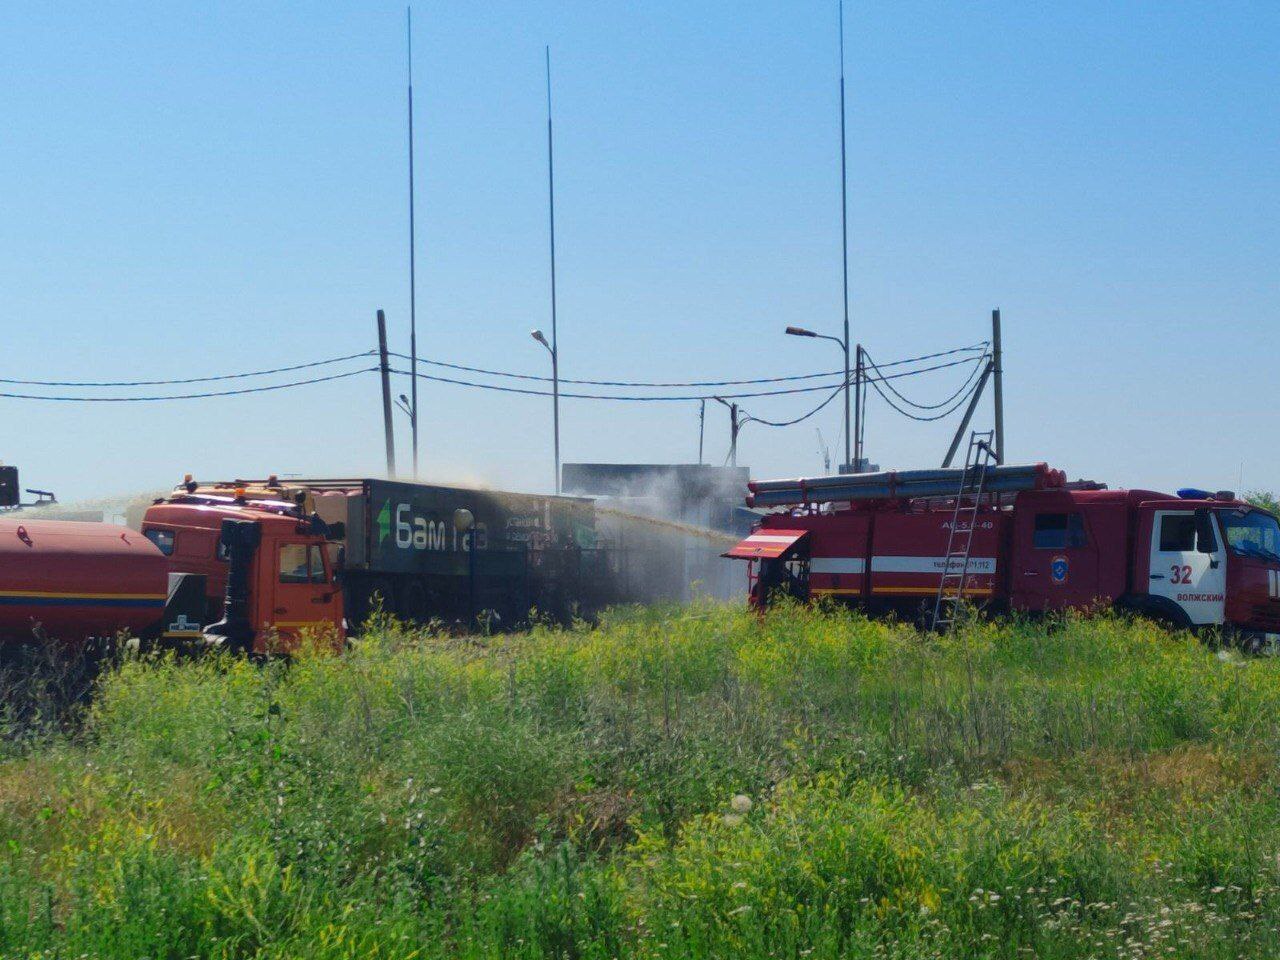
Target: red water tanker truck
[1026,540]
[74,582]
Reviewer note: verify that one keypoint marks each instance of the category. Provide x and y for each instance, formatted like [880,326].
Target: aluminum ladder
[955,571]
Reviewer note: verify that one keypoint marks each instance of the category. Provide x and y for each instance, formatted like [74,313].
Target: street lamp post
[844,347]
[465,522]
[555,397]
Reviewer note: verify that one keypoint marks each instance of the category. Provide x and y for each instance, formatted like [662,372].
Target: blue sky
[195,189]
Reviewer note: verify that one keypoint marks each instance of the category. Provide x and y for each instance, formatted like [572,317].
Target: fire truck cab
[1194,560]
[272,571]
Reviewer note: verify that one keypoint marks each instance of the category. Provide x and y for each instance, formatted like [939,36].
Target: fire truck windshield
[1252,533]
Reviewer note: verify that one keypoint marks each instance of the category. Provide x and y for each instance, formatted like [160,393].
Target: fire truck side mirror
[1206,540]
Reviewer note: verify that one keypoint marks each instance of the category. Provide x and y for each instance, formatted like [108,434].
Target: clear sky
[209,188]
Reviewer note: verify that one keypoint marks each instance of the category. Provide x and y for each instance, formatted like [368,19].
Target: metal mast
[555,343]
[844,253]
[413,285]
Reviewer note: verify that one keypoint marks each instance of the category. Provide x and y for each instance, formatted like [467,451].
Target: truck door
[1187,564]
[304,594]
[1056,558]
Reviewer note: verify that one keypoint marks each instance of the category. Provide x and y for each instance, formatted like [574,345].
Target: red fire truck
[1032,542]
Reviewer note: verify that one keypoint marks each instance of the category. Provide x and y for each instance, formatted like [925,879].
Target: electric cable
[158,383]
[668,398]
[800,419]
[882,377]
[19,381]
[917,417]
[688,383]
[932,406]
[194,396]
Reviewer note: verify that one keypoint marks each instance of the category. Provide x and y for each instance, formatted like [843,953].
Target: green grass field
[674,783]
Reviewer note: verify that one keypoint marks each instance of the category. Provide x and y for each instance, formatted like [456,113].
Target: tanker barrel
[240,539]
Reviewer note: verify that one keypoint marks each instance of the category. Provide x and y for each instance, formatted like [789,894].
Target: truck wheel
[1253,644]
[412,603]
[1159,609]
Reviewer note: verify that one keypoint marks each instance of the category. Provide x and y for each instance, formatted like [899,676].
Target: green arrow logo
[384,521]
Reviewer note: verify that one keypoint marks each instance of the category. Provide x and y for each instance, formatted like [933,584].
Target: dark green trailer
[532,552]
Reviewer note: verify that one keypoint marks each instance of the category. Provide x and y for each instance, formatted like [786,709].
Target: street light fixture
[844,346]
[406,406]
[555,396]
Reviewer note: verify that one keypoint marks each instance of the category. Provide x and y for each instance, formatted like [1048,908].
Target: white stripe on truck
[837,565]
[978,565]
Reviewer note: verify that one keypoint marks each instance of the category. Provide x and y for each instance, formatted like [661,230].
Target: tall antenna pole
[844,251]
[413,284]
[555,343]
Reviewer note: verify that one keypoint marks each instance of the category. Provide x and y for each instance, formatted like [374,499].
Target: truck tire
[413,602]
[1162,610]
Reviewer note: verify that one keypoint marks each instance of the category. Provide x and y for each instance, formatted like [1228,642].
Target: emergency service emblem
[1058,568]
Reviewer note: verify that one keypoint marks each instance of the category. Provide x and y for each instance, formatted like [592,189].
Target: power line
[800,419]
[158,383]
[193,396]
[672,398]
[875,382]
[977,368]
[834,388]
[982,345]
[687,383]
[18,381]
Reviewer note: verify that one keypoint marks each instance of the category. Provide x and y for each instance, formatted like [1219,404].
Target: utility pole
[734,426]
[555,343]
[968,414]
[733,434]
[384,368]
[702,423]
[997,384]
[413,286]
[857,416]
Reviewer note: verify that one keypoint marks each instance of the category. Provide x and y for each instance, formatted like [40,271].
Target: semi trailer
[399,544]
[1026,539]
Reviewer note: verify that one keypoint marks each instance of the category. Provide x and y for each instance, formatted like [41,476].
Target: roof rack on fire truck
[269,495]
[899,485]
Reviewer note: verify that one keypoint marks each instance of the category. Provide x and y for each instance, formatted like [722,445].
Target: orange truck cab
[269,561]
